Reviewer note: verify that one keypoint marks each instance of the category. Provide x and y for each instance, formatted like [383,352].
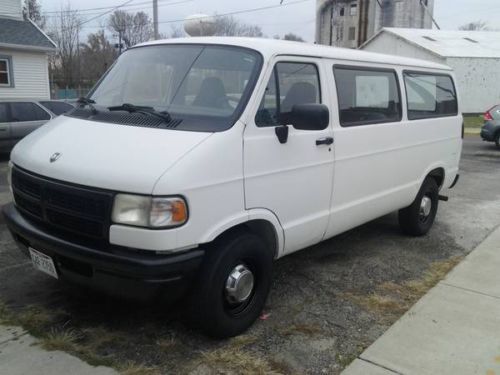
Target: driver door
[292,179]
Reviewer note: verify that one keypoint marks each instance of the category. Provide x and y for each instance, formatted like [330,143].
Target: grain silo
[349,23]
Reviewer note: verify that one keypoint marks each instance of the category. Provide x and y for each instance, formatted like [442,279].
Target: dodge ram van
[194,163]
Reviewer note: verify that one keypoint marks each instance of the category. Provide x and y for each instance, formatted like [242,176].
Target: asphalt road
[322,311]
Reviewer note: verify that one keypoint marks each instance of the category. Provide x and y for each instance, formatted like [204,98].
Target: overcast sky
[297,17]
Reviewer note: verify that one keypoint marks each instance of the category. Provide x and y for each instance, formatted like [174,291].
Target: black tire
[411,219]
[211,311]
[497,139]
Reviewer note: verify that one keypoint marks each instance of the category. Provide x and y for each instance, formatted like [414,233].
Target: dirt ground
[327,303]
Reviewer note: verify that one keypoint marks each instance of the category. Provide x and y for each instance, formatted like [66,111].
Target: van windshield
[202,87]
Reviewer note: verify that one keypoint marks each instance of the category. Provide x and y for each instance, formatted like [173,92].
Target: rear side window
[3,112]
[290,84]
[367,96]
[430,95]
[26,111]
[57,108]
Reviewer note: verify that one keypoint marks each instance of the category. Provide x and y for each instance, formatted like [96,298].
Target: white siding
[477,81]
[392,45]
[11,8]
[31,77]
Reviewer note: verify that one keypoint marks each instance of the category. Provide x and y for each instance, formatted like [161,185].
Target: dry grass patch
[236,361]
[391,299]
[64,340]
[131,368]
[301,329]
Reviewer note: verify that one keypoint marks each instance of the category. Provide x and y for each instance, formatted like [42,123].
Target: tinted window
[290,84]
[3,112]
[367,96]
[430,95]
[57,108]
[21,112]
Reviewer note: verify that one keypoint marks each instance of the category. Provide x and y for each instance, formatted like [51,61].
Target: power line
[250,10]
[56,13]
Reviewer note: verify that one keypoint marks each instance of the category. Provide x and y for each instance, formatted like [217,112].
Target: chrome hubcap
[239,284]
[425,206]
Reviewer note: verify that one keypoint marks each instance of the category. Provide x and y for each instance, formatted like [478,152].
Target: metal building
[473,55]
[349,23]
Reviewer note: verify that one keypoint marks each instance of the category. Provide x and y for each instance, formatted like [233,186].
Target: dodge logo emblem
[55,156]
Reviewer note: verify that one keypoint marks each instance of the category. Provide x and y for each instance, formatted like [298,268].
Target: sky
[297,16]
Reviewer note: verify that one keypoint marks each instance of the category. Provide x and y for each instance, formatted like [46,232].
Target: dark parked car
[19,117]
[491,129]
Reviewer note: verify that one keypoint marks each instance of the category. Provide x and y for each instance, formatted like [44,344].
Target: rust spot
[497,359]
[490,372]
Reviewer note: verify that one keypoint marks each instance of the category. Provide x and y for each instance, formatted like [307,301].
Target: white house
[24,50]
[474,55]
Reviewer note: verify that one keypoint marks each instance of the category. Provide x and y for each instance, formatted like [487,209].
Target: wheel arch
[438,174]
[261,222]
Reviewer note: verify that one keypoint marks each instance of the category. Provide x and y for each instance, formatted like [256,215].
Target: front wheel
[233,285]
[417,219]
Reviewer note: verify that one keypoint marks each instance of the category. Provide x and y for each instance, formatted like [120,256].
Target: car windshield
[204,86]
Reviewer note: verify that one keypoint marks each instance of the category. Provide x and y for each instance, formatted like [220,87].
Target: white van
[195,163]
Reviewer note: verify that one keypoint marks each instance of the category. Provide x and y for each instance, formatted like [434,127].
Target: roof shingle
[22,33]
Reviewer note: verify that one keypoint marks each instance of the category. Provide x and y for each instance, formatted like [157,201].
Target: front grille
[62,208]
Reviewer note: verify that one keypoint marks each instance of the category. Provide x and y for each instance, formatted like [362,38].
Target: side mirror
[310,116]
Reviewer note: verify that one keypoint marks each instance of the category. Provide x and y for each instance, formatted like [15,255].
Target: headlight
[152,212]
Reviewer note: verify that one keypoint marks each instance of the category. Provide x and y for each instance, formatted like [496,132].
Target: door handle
[324,141]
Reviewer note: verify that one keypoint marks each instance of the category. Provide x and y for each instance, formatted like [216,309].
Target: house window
[352,33]
[354,9]
[342,12]
[5,72]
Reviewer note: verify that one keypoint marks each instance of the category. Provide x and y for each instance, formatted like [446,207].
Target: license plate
[43,263]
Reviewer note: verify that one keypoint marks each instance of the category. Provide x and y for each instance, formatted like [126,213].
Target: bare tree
[97,55]
[65,31]
[133,28]
[32,10]
[230,26]
[176,32]
[474,26]
[293,37]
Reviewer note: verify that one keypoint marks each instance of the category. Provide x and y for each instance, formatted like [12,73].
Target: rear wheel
[233,285]
[417,219]
[497,139]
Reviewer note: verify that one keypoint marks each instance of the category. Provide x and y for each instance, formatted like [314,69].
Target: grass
[301,329]
[390,300]
[64,340]
[473,121]
[233,360]
[46,326]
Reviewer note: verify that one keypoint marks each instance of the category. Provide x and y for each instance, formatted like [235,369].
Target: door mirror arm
[282,133]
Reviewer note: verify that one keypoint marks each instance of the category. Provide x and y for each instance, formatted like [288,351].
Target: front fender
[254,214]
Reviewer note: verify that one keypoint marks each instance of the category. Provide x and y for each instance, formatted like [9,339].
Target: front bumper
[127,273]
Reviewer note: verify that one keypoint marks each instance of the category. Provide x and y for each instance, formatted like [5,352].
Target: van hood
[109,156]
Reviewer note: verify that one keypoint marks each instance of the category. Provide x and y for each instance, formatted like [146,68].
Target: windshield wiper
[83,101]
[164,115]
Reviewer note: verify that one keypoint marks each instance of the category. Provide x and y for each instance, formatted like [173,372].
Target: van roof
[271,47]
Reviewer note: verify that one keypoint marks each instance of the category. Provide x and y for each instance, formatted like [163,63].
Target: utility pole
[155,19]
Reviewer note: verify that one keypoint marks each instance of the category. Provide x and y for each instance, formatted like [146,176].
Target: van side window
[430,95]
[290,84]
[368,96]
